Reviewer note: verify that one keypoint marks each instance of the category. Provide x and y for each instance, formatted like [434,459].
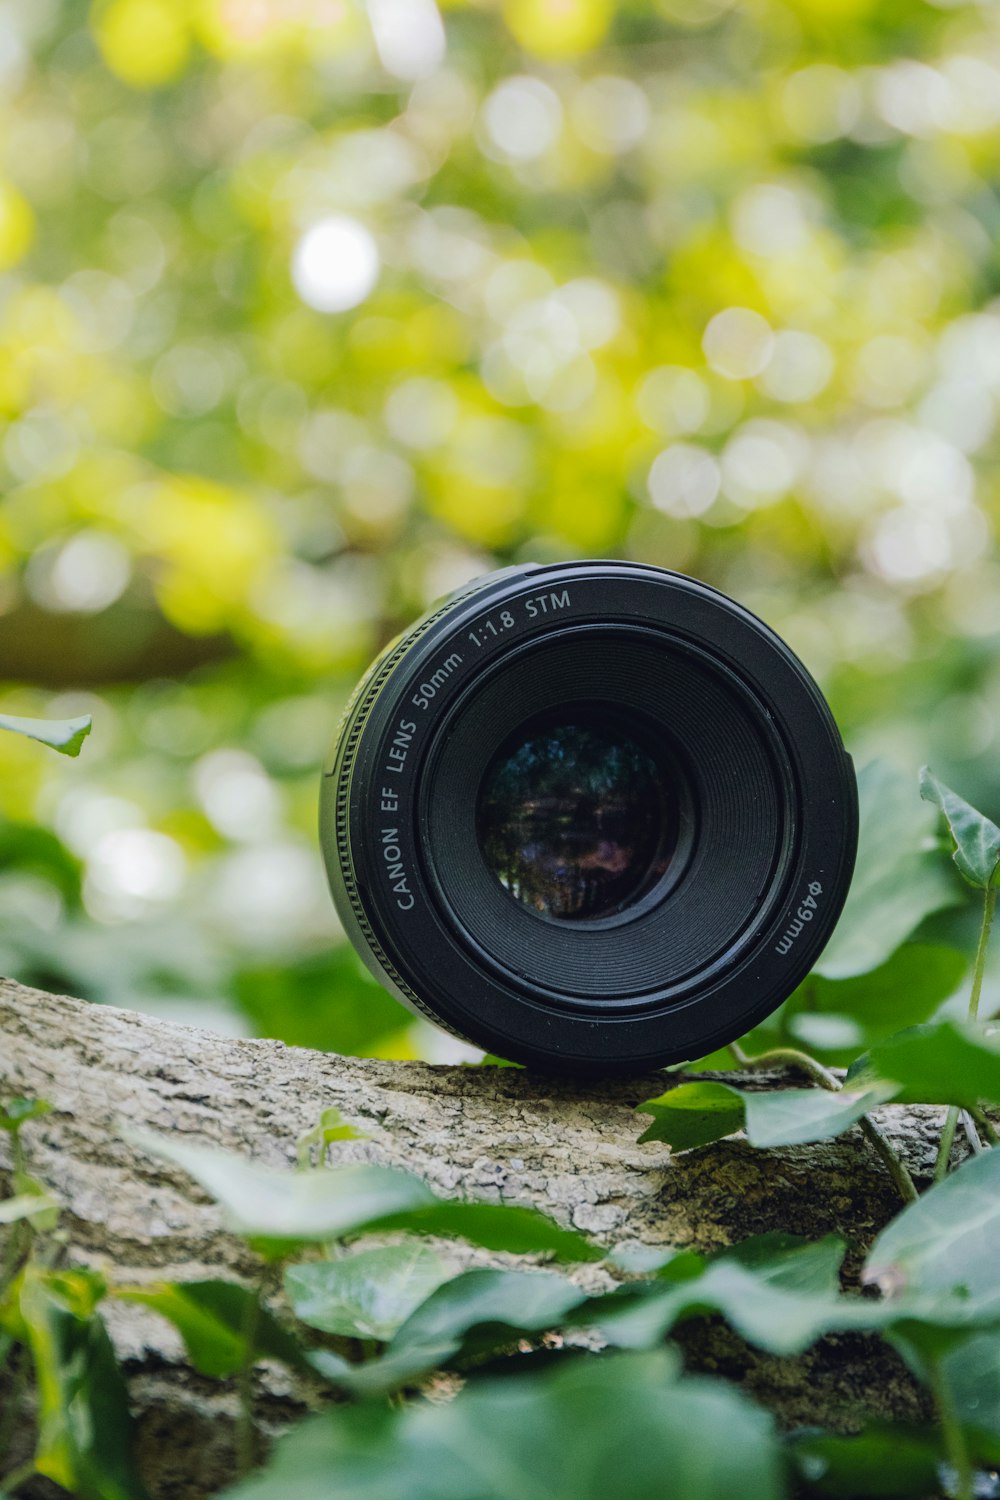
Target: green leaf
[501,1305]
[28,1206]
[327,1001]
[318,1204]
[84,1428]
[977,838]
[970,1371]
[779,1297]
[881,1461]
[808,1266]
[585,1430]
[65,735]
[331,1126]
[904,991]
[367,1295]
[791,1117]
[474,1314]
[214,1319]
[785,1117]
[946,1063]
[694,1114]
[278,1210]
[17,1112]
[897,881]
[946,1242]
[496,1226]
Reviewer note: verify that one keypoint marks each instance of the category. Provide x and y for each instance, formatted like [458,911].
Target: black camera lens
[591,816]
[575,818]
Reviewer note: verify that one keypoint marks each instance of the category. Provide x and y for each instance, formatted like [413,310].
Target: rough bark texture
[568,1148]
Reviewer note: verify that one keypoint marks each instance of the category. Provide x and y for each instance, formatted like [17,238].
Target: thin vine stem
[979,969]
[791,1057]
[19,1476]
[986,1125]
[246,1428]
[989,909]
[946,1143]
[954,1438]
[787,1057]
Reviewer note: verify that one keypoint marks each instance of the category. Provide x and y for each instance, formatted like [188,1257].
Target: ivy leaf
[367,1295]
[28,1206]
[504,1304]
[977,838]
[331,1126]
[496,1226]
[970,1371]
[84,1428]
[946,1063]
[897,881]
[271,1206]
[65,735]
[904,991]
[17,1112]
[787,1260]
[946,1241]
[213,1317]
[474,1314]
[780,1298]
[278,1211]
[881,1461]
[582,1430]
[695,1114]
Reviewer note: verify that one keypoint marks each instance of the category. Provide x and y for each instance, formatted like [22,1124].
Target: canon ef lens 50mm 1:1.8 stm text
[592,816]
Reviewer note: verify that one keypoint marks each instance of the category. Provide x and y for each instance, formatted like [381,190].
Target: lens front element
[572,815]
[575,819]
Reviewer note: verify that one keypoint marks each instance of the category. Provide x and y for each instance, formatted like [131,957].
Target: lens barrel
[594,817]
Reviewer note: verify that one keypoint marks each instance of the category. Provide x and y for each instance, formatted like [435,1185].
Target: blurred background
[310,311]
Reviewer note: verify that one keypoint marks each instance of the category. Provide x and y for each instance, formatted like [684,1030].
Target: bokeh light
[311,312]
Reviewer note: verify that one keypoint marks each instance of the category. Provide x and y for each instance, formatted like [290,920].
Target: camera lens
[591,816]
[575,818]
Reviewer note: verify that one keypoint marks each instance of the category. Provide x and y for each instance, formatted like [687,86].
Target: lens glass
[577,819]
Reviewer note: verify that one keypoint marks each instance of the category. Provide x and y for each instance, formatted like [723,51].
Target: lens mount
[591,816]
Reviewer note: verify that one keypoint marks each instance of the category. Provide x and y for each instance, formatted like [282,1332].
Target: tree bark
[567,1147]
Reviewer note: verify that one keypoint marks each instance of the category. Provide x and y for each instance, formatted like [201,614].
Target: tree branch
[567,1147]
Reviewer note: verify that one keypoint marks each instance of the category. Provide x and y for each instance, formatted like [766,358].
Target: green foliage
[234,491]
[84,1429]
[977,838]
[897,882]
[331,1126]
[943,1064]
[526,1436]
[934,1064]
[223,1325]
[376,1322]
[834,1017]
[278,1210]
[694,1114]
[34,1206]
[65,735]
[970,1373]
[367,1295]
[17,1112]
[476,1314]
[944,1243]
[879,1462]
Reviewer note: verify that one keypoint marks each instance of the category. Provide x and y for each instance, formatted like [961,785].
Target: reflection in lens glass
[575,821]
